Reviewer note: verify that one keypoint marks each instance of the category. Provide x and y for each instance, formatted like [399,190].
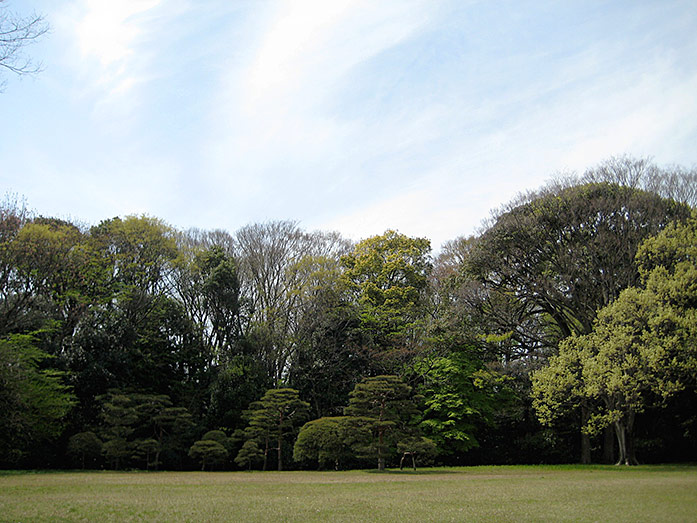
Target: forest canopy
[563,331]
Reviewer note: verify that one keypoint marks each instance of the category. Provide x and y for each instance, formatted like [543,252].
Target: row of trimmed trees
[382,417]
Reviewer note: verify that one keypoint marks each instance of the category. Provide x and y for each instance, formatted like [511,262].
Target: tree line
[563,331]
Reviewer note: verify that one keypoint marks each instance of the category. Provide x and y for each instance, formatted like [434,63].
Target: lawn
[536,493]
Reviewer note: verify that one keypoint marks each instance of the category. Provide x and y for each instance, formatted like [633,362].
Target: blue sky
[348,115]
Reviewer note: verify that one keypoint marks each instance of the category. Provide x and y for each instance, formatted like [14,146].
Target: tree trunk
[280,441]
[278,450]
[630,439]
[159,449]
[585,438]
[381,458]
[608,445]
[624,429]
[621,432]
[266,453]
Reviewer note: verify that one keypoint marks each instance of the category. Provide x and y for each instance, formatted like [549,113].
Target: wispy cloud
[109,30]
[114,41]
[350,114]
[275,128]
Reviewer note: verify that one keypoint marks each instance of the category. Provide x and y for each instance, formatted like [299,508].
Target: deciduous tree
[388,276]
[15,34]
[641,346]
[33,401]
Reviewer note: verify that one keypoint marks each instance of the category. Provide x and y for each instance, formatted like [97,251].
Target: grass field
[536,493]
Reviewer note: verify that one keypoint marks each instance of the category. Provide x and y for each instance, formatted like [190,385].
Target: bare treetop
[15,33]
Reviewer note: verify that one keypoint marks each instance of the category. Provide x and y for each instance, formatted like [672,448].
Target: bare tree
[675,182]
[15,34]
[276,260]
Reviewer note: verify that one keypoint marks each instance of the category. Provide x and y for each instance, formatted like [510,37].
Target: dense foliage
[558,333]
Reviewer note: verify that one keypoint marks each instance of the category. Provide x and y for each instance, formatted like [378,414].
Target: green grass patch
[525,493]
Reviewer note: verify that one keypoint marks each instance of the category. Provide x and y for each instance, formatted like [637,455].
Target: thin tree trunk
[280,441]
[266,453]
[608,445]
[280,461]
[631,455]
[625,438]
[381,458]
[585,438]
[621,433]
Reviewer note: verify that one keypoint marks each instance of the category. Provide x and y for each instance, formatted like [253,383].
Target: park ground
[517,493]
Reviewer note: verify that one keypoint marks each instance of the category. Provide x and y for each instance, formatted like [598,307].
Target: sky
[349,115]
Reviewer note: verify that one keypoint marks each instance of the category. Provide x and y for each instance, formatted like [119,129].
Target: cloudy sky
[348,115]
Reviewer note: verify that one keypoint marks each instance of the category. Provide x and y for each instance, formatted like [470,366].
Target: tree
[565,255]
[208,452]
[34,402]
[206,282]
[85,445]
[15,34]
[388,402]
[387,276]
[674,182]
[276,415]
[641,348]
[249,454]
[460,395]
[552,260]
[139,426]
[423,447]
[330,440]
[271,259]
[330,358]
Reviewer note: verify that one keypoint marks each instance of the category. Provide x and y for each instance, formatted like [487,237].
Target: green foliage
[388,276]
[208,452]
[551,262]
[389,404]
[641,346]
[137,427]
[33,401]
[187,329]
[139,248]
[330,440]
[421,448]
[85,446]
[459,396]
[276,415]
[249,454]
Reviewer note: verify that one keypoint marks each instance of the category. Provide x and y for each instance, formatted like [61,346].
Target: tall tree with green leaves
[641,348]
[551,260]
[387,276]
[33,401]
[460,396]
